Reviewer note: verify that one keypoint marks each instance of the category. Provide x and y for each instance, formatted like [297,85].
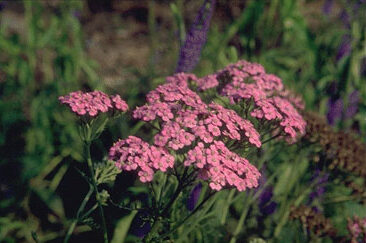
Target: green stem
[75,221]
[172,200]
[341,199]
[165,211]
[162,188]
[271,138]
[189,216]
[296,202]
[90,210]
[91,169]
[227,205]
[153,231]
[241,220]
[195,210]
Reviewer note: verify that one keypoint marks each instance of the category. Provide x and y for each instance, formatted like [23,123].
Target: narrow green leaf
[122,227]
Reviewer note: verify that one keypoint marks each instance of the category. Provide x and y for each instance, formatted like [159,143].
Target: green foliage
[40,142]
[120,232]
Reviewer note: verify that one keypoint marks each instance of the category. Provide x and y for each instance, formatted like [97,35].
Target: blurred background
[50,48]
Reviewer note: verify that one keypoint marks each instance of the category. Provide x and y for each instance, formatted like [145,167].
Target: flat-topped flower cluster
[221,167]
[248,82]
[185,118]
[185,121]
[93,103]
[205,133]
[134,154]
[198,134]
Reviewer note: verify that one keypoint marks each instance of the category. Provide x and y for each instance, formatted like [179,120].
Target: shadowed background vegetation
[50,48]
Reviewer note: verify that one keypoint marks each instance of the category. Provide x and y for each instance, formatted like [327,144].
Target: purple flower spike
[316,209]
[140,226]
[327,7]
[344,17]
[335,108]
[352,108]
[332,89]
[194,196]
[363,67]
[323,179]
[318,193]
[345,47]
[269,209]
[319,188]
[76,14]
[266,206]
[190,52]
[2,5]
[265,196]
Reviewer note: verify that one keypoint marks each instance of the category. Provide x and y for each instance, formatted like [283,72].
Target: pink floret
[134,154]
[92,103]
[248,82]
[119,104]
[221,167]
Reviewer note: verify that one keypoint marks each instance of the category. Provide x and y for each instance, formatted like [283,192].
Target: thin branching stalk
[271,138]
[159,218]
[227,205]
[81,208]
[91,169]
[189,216]
[241,219]
[162,188]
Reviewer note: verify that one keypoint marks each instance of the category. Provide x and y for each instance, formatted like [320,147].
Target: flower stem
[91,169]
[182,183]
[271,138]
[172,200]
[241,220]
[153,231]
[75,221]
[227,205]
[179,224]
[163,213]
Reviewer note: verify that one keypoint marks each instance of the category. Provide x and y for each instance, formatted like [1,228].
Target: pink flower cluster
[234,125]
[249,81]
[185,118]
[281,109]
[207,82]
[215,123]
[222,167]
[186,121]
[134,154]
[169,98]
[357,229]
[181,79]
[91,103]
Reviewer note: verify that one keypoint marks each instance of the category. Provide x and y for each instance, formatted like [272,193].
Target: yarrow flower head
[222,167]
[93,103]
[201,135]
[134,154]
[185,117]
[249,83]
[186,122]
[118,103]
